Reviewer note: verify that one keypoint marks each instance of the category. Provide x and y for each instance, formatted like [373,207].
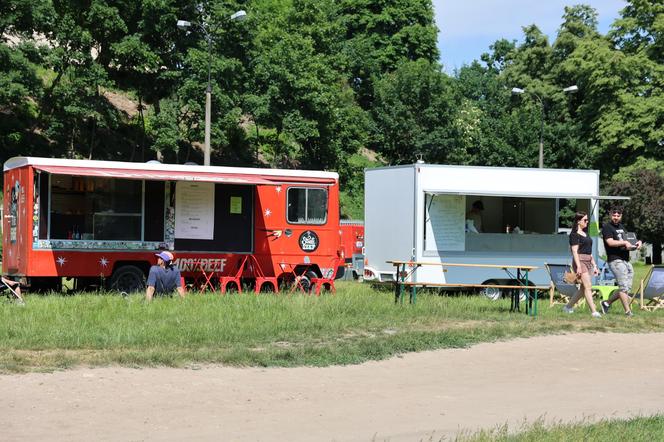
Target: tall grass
[355,325]
[638,429]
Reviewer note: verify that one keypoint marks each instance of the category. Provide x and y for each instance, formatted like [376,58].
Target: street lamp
[203,26]
[518,91]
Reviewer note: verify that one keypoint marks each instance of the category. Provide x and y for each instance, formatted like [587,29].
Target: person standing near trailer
[617,256]
[164,278]
[583,263]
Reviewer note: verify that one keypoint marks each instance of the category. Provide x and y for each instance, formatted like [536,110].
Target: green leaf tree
[415,112]
[643,182]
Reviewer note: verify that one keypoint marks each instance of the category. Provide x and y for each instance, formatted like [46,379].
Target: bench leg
[515,304]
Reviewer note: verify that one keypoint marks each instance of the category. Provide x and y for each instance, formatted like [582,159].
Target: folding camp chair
[13,289]
[566,290]
[652,289]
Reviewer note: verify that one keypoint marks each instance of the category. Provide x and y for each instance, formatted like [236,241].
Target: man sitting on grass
[164,278]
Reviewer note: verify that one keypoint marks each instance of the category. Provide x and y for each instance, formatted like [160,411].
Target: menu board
[194,210]
[445,226]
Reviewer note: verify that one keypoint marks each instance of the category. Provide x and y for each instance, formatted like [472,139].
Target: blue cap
[166,256]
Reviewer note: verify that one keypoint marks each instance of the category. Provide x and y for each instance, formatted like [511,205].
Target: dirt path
[407,398]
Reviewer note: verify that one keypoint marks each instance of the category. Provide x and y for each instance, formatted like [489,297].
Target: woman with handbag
[583,263]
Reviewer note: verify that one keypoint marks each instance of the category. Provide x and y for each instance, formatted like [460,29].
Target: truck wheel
[305,281]
[492,293]
[128,279]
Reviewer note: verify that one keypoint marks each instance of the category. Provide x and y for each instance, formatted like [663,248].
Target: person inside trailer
[475,215]
[164,278]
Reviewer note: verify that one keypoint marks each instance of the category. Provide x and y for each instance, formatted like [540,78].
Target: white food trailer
[419,212]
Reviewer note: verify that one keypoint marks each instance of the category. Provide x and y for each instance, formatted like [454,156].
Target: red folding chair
[327,280]
[203,278]
[261,278]
[234,278]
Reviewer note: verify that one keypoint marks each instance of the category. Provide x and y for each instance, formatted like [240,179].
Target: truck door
[13,220]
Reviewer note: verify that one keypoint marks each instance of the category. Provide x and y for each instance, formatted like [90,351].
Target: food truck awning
[156,175]
[530,195]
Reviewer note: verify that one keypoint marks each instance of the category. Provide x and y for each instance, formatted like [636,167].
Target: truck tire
[492,293]
[306,283]
[128,278]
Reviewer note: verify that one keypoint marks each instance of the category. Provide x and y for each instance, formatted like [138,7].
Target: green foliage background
[333,84]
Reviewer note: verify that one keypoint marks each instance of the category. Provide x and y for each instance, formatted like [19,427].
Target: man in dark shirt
[164,278]
[617,256]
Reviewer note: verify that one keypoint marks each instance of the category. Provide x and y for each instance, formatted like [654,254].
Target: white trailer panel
[418,212]
[391,198]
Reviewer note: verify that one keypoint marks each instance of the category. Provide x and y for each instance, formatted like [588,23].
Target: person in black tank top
[583,263]
[617,256]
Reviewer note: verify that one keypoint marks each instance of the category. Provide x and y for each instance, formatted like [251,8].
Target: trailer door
[15,218]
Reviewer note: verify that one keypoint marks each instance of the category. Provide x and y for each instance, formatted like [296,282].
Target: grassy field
[357,324]
[639,429]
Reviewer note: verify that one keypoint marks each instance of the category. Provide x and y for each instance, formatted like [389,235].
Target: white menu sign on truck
[445,227]
[194,210]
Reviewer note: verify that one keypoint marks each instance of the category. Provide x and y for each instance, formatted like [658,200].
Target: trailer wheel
[128,279]
[492,293]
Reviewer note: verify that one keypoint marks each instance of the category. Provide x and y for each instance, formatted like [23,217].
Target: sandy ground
[421,396]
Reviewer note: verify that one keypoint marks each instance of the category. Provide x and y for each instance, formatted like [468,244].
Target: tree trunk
[657,252]
[277,148]
[70,152]
[258,141]
[140,110]
[93,131]
[92,137]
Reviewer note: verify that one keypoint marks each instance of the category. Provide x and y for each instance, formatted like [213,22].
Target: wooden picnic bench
[521,276]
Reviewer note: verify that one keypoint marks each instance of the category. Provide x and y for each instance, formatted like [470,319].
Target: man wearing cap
[164,277]
[617,256]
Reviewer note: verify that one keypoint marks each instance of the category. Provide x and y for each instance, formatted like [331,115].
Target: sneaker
[596,315]
[568,309]
[605,307]
[629,314]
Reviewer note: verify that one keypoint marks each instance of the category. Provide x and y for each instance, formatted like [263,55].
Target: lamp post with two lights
[203,26]
[518,91]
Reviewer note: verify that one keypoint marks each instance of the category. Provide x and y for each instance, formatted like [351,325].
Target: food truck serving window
[95,208]
[307,205]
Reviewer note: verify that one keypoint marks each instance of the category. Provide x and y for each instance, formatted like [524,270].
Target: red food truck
[101,222]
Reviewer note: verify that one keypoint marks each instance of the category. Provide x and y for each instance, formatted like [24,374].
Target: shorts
[586,262]
[624,273]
